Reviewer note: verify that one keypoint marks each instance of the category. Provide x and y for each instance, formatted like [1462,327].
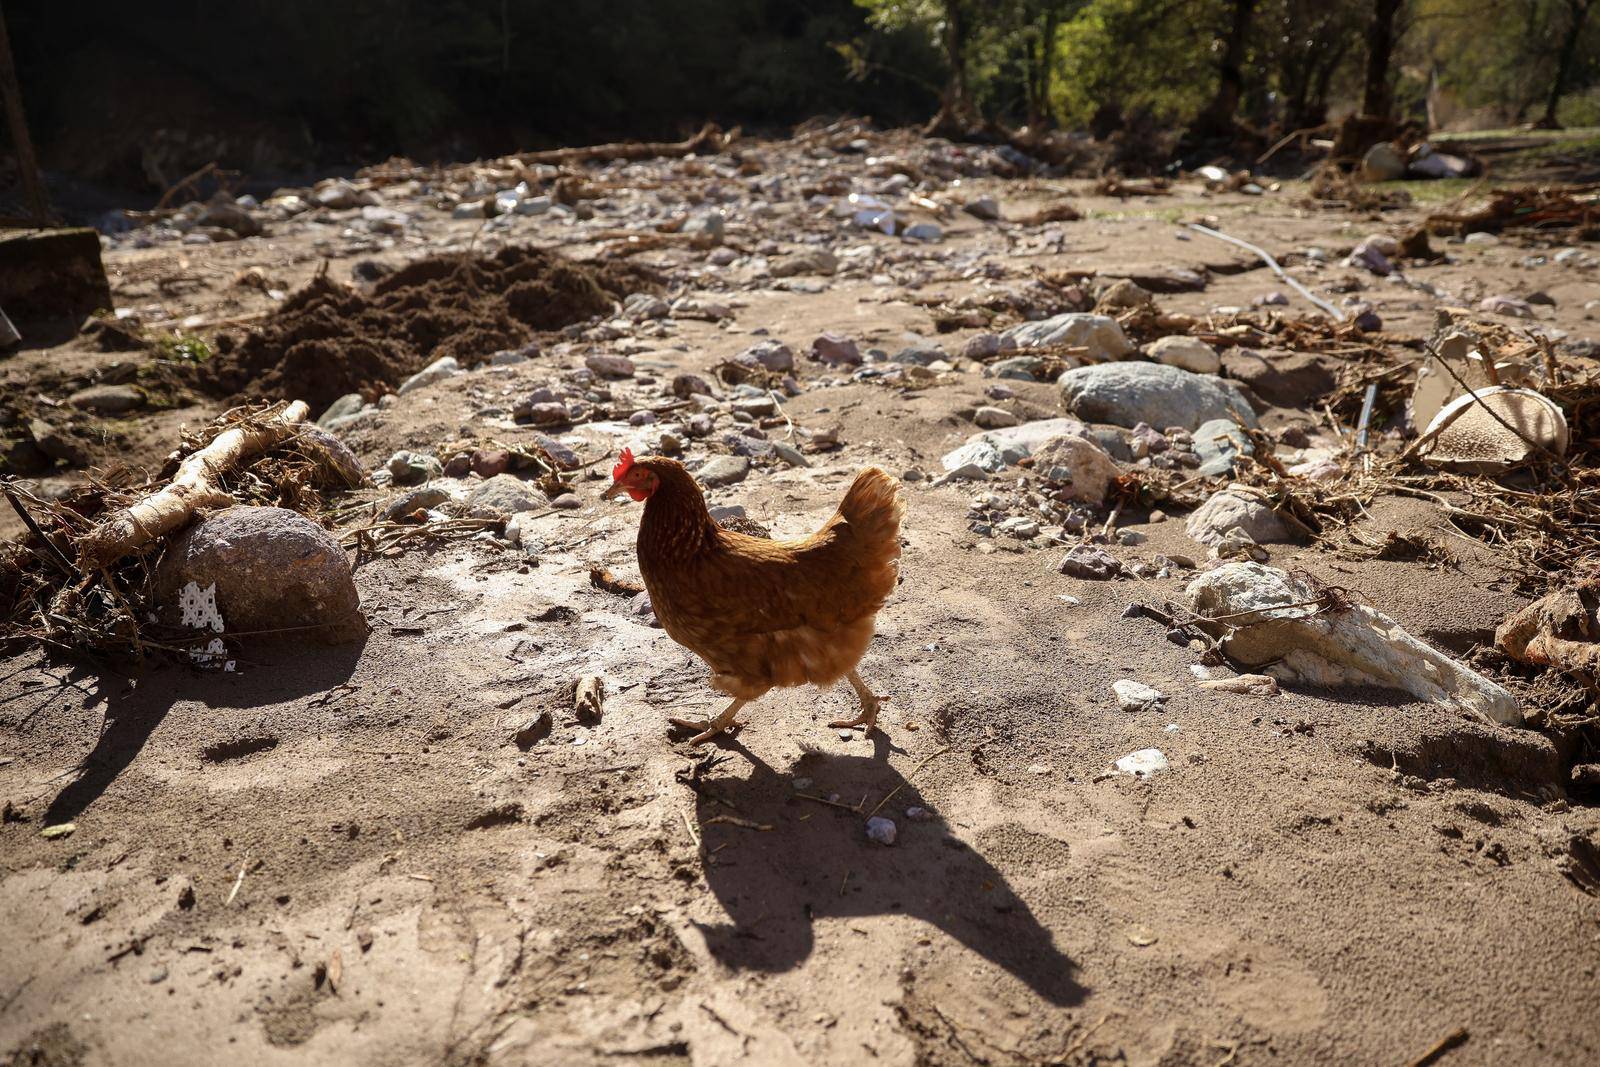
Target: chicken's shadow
[817,863]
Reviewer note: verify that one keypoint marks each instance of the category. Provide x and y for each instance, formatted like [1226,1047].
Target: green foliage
[453,78]
[1580,109]
[1135,55]
[183,348]
[1503,54]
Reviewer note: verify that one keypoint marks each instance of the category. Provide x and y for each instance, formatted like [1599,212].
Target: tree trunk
[1380,48]
[1047,64]
[17,120]
[955,107]
[1230,82]
[1569,49]
[1031,80]
[1317,112]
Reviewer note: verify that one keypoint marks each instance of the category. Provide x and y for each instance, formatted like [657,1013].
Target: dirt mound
[330,339]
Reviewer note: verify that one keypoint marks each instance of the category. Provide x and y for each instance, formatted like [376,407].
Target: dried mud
[330,339]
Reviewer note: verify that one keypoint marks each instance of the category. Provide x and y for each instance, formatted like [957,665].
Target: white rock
[1079,463]
[1143,763]
[1236,508]
[1126,394]
[1383,163]
[978,452]
[1100,334]
[1136,696]
[438,370]
[1357,645]
[991,418]
[881,830]
[1190,353]
[709,224]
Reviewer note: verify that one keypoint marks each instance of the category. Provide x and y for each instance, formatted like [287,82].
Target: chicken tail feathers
[874,509]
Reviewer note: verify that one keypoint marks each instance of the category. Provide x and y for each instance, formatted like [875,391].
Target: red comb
[622,466]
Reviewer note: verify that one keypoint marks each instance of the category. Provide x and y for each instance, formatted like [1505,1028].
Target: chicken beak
[617,488]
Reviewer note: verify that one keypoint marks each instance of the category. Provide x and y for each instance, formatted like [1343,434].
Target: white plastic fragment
[199,607]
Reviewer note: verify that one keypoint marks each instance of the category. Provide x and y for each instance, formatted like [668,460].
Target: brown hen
[765,614]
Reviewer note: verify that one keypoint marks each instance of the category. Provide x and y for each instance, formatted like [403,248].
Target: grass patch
[183,348]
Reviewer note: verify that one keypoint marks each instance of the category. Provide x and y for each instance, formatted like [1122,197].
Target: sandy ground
[369,871]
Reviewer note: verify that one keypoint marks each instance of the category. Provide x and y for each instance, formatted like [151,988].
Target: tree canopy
[259,82]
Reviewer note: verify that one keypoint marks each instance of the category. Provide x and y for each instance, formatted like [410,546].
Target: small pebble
[881,830]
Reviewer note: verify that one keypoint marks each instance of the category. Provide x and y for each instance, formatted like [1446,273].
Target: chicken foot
[710,727]
[869,706]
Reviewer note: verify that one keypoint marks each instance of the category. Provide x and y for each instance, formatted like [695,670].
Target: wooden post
[17,119]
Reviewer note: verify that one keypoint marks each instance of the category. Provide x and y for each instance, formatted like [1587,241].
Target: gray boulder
[503,496]
[107,399]
[769,354]
[57,443]
[341,410]
[1383,163]
[277,575]
[1017,368]
[723,470]
[1100,334]
[1126,394]
[1219,443]
[1236,508]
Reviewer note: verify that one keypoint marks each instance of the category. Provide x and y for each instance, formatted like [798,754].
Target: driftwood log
[709,139]
[196,485]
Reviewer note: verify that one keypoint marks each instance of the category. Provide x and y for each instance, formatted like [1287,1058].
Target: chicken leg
[710,727]
[869,706]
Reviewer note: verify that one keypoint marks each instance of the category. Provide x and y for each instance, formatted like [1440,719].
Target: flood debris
[1572,210]
[1491,430]
[1300,631]
[196,484]
[1560,630]
[220,541]
[589,697]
